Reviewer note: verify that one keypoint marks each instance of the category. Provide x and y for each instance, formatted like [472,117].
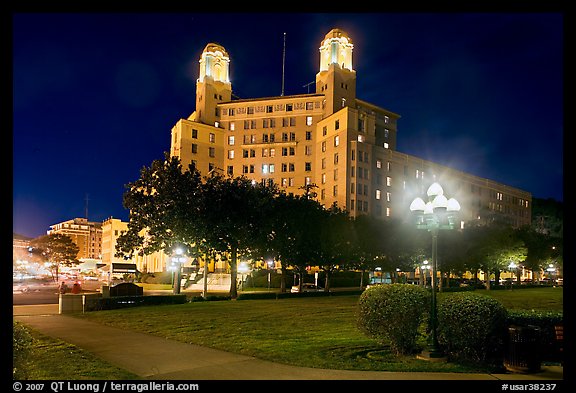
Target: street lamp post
[177,262]
[438,213]
[512,266]
[243,268]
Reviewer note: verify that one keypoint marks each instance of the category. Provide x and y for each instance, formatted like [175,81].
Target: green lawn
[53,359]
[544,299]
[311,332]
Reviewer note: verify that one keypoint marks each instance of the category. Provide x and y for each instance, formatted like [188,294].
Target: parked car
[307,287]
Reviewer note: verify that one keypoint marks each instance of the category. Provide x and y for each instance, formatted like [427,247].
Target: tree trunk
[362,278]
[487,277]
[283,279]
[234,274]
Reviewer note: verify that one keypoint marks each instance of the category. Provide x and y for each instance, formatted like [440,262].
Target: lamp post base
[432,356]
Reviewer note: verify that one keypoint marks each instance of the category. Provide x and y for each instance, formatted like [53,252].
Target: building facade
[343,145]
[87,235]
[112,228]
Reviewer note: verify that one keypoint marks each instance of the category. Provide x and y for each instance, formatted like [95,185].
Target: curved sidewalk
[157,358]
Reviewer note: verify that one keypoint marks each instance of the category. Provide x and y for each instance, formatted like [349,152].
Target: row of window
[271,168]
[267,152]
[288,107]
[268,138]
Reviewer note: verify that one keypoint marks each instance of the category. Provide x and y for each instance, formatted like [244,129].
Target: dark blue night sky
[96,94]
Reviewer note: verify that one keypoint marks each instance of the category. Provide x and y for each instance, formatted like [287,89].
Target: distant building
[112,228]
[330,138]
[87,235]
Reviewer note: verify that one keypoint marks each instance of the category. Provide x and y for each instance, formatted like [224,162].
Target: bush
[392,314]
[472,328]
[21,345]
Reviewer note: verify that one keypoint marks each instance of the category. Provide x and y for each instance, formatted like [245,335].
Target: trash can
[524,350]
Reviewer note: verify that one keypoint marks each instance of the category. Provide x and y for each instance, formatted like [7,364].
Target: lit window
[387,197]
[378,164]
[377,194]
[388,181]
[230,154]
[308,120]
[271,168]
[323,178]
[308,180]
[386,119]
[336,140]
[212,138]
[231,140]
[388,212]
[385,145]
[264,168]
[360,138]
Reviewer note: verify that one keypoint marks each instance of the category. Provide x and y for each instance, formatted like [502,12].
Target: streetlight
[177,262]
[270,265]
[551,270]
[436,214]
[423,274]
[243,268]
[512,266]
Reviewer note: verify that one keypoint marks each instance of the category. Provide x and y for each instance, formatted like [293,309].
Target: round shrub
[472,327]
[392,314]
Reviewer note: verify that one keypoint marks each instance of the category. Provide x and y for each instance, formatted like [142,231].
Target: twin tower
[336,78]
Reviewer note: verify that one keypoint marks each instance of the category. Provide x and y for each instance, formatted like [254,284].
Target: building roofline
[271,98]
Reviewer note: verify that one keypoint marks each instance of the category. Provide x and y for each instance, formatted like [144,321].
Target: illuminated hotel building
[332,139]
[87,235]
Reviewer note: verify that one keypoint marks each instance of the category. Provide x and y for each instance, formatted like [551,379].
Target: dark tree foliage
[57,249]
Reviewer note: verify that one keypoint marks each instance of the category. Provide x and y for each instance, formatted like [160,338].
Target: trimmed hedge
[115,302]
[392,314]
[472,327]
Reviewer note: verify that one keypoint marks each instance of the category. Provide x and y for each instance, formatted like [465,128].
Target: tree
[493,247]
[235,210]
[294,233]
[164,205]
[57,249]
[334,246]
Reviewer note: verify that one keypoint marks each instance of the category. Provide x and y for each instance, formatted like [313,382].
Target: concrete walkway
[157,358]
